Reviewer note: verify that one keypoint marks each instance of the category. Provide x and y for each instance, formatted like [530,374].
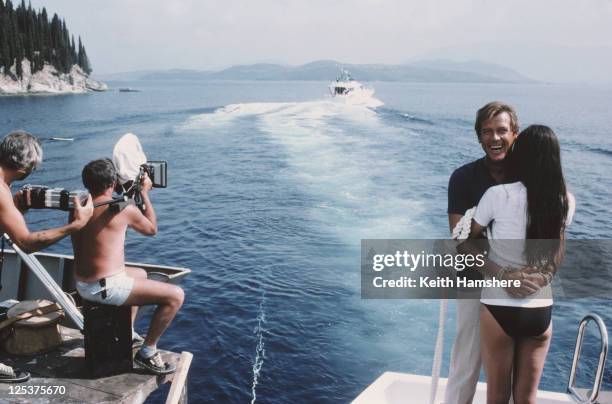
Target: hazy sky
[558,39]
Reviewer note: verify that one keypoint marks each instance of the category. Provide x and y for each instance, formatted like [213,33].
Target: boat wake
[357,103]
[364,97]
[226,115]
[260,352]
[341,151]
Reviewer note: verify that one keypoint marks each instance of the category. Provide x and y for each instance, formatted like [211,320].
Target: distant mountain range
[324,70]
[544,62]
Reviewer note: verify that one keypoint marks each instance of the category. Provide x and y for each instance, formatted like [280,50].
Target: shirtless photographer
[20,155]
[102,276]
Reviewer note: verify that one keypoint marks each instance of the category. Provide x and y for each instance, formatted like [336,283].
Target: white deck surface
[402,388]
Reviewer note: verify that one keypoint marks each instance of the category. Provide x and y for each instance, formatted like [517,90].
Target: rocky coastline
[47,81]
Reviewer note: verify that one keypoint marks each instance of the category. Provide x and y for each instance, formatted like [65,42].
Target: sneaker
[154,364]
[137,340]
[10,375]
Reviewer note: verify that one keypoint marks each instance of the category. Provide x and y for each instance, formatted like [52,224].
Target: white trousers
[465,357]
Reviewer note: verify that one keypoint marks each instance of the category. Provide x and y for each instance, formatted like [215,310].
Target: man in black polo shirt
[496,128]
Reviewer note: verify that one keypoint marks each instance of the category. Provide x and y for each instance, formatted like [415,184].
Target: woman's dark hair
[536,162]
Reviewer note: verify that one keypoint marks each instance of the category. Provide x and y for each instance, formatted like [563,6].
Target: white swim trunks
[113,290]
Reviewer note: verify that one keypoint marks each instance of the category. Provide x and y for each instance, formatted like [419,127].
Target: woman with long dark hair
[525,222]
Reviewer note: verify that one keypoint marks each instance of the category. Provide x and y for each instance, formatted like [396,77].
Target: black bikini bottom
[522,321]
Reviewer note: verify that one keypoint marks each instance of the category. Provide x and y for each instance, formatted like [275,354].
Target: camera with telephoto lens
[158,173]
[42,197]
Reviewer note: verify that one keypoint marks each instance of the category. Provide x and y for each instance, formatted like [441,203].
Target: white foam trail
[260,352]
[231,112]
[361,97]
[331,146]
[224,115]
[338,165]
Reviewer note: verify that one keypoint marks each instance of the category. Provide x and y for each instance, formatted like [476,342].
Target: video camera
[158,173]
[41,197]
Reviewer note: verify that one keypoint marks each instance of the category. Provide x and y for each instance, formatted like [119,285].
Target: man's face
[496,137]
[23,173]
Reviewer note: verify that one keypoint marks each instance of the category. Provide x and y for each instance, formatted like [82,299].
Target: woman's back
[503,208]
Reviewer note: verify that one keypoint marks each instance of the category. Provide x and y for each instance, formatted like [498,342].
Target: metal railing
[602,359]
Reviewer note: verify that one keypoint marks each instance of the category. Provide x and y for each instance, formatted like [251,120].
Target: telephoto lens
[42,197]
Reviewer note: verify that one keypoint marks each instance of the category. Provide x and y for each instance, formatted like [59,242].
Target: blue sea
[272,185]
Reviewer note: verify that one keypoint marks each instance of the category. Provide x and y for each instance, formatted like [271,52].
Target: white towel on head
[128,156]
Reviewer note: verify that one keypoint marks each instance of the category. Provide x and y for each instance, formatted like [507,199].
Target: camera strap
[108,202]
[115,204]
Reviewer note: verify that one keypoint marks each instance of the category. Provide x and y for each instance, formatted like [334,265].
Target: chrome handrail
[602,359]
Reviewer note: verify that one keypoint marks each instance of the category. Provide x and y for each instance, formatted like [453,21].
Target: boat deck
[65,366]
[400,388]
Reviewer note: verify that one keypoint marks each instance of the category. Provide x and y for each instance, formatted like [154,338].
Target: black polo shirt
[467,185]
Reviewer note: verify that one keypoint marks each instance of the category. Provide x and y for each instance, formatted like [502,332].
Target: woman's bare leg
[528,365]
[497,356]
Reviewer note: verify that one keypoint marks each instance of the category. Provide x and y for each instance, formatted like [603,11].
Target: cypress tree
[19,57]
[5,50]
[29,37]
[15,45]
[83,59]
[67,61]
[73,52]
[80,54]
[28,34]
[55,39]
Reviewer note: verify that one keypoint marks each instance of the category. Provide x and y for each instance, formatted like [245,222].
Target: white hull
[20,283]
[403,388]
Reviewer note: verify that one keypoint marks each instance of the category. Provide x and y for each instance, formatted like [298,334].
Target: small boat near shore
[62,139]
[128,90]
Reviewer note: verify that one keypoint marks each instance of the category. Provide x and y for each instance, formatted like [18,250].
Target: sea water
[272,185]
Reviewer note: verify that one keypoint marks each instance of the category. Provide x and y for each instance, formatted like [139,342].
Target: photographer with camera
[102,276]
[20,155]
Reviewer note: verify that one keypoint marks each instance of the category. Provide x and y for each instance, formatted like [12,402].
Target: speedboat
[345,85]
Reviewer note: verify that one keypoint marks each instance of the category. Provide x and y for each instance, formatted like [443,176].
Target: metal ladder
[571,388]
